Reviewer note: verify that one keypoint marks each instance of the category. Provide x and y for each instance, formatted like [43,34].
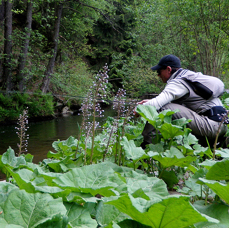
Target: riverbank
[54,110]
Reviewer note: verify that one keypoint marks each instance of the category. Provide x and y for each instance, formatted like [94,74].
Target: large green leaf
[131,151]
[34,182]
[23,181]
[169,177]
[93,179]
[149,113]
[9,158]
[30,210]
[65,147]
[4,224]
[129,223]
[5,189]
[224,153]
[169,131]
[222,190]
[55,221]
[172,157]
[181,122]
[219,171]
[79,216]
[153,187]
[60,166]
[172,212]
[201,151]
[106,214]
[81,198]
[214,210]
[192,187]
[166,115]
[208,163]
[188,139]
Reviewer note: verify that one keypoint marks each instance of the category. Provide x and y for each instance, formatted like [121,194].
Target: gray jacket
[203,90]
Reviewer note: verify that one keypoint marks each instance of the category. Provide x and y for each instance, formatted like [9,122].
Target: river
[42,134]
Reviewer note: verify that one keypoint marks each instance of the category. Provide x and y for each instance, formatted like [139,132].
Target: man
[195,95]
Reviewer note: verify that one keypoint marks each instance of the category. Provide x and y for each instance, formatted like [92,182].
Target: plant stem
[112,129]
[93,132]
[217,136]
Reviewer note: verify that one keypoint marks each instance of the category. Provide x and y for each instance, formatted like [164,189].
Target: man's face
[164,74]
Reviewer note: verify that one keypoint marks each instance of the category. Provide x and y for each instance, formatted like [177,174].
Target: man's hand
[141,102]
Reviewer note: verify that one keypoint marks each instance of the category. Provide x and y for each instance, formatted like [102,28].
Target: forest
[50,50]
[92,52]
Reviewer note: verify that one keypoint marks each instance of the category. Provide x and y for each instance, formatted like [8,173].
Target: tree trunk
[2,10]
[2,15]
[24,50]
[49,69]
[7,65]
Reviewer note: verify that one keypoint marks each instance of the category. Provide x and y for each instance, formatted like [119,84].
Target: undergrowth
[12,105]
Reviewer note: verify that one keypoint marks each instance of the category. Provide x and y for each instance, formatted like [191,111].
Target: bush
[12,105]
[72,78]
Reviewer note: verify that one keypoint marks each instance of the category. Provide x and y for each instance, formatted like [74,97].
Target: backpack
[203,85]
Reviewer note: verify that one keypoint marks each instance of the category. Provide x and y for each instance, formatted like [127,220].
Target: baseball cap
[168,60]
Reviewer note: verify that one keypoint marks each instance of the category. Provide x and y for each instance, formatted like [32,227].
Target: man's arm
[172,91]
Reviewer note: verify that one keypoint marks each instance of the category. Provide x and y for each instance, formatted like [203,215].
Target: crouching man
[195,95]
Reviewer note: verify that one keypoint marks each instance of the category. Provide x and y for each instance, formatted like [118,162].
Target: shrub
[12,105]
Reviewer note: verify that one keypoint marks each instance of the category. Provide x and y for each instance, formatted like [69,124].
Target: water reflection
[43,134]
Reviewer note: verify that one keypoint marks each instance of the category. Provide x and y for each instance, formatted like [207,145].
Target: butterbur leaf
[188,140]
[115,225]
[153,187]
[81,198]
[5,188]
[9,159]
[215,210]
[131,151]
[79,216]
[28,157]
[219,171]
[93,179]
[169,178]
[106,214]
[131,223]
[172,212]
[219,188]
[59,166]
[208,163]
[172,157]
[181,122]
[30,210]
[24,181]
[224,153]
[201,151]
[56,221]
[148,112]
[169,131]
[30,182]
[159,147]
[4,224]
[64,148]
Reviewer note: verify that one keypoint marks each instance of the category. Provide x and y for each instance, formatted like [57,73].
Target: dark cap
[168,60]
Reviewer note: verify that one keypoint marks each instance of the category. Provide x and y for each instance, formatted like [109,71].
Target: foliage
[63,190]
[130,36]
[73,78]
[13,104]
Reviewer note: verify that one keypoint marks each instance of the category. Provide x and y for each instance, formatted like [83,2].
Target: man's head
[165,67]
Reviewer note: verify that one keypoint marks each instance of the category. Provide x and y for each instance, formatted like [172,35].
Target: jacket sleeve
[172,91]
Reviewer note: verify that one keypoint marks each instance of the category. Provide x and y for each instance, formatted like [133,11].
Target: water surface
[43,134]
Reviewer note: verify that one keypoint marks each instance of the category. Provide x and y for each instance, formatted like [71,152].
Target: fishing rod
[65,96]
